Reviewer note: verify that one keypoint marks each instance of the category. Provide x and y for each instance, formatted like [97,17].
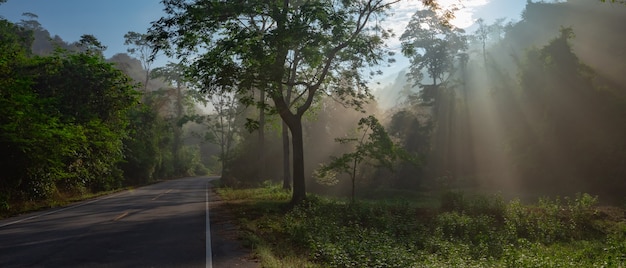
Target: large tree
[221,126]
[140,47]
[176,105]
[312,47]
[431,45]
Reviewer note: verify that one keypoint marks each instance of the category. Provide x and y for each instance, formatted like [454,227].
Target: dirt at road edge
[228,250]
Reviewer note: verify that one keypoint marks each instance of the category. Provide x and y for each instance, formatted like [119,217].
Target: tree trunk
[145,86]
[223,144]
[299,185]
[286,162]
[261,152]
[354,180]
[178,130]
[285,130]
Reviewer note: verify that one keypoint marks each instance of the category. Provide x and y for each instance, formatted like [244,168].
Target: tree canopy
[63,118]
[304,47]
[431,45]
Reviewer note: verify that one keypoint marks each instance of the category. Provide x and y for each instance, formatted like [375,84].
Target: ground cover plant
[461,231]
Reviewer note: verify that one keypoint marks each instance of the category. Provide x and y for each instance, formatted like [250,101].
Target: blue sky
[109,20]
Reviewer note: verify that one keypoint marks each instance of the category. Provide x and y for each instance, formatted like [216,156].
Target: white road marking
[60,210]
[156,197]
[209,257]
[121,216]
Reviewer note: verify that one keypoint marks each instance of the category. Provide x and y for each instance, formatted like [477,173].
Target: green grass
[463,231]
[267,193]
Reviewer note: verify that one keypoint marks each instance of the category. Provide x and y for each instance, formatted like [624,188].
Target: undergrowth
[465,231]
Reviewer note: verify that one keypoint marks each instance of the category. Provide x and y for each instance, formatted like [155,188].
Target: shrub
[473,205]
[552,221]
[479,232]
[332,233]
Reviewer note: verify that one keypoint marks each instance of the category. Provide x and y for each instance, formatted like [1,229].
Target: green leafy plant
[374,147]
[323,232]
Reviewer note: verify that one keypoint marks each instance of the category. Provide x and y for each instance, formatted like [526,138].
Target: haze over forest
[526,108]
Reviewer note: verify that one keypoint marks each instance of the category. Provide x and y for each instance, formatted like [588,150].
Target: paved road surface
[161,225]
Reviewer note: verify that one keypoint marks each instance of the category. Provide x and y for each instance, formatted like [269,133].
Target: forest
[74,123]
[441,166]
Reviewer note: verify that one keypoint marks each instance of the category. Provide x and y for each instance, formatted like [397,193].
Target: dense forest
[533,107]
[73,122]
[526,108]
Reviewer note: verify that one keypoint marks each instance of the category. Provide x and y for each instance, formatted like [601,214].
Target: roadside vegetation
[456,230]
[74,125]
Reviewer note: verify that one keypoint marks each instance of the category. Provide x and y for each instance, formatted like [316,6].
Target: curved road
[161,225]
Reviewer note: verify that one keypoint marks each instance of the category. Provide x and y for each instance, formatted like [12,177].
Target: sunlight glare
[464,11]
[404,10]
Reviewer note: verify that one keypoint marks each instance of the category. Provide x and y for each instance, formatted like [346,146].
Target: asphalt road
[161,225]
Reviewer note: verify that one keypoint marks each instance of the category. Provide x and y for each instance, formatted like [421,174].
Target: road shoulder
[228,249]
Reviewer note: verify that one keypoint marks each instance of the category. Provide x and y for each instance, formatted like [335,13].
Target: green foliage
[375,147]
[188,161]
[84,90]
[62,120]
[553,220]
[72,124]
[89,44]
[84,87]
[475,232]
[247,48]
[356,235]
[431,45]
[474,204]
[478,232]
[269,191]
[16,42]
[141,147]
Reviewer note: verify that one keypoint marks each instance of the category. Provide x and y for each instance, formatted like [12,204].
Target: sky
[109,20]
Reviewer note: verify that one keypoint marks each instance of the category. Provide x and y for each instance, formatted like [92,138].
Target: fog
[512,128]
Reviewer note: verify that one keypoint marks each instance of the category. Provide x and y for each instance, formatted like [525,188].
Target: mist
[539,113]
[499,125]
